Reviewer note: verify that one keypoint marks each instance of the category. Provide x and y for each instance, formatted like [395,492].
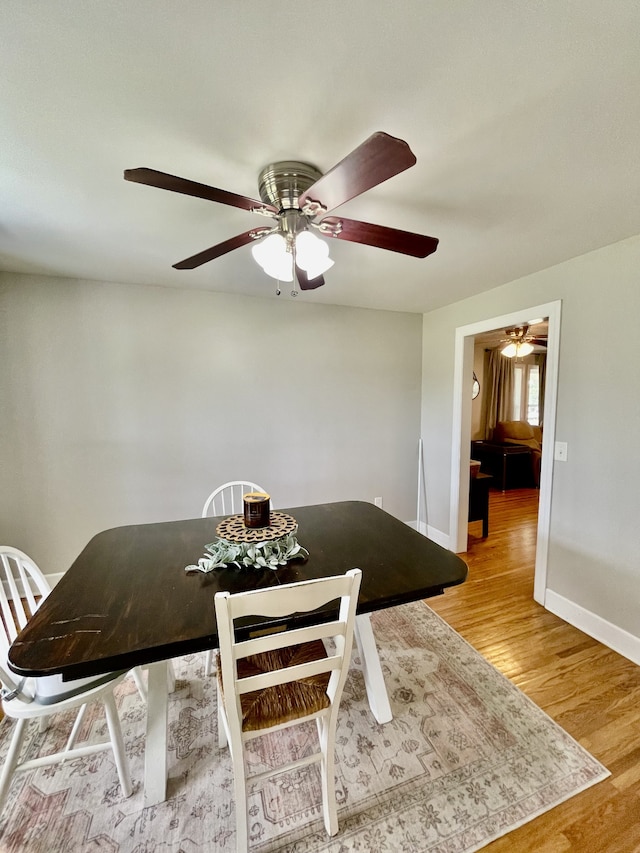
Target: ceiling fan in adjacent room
[297,197]
[520,343]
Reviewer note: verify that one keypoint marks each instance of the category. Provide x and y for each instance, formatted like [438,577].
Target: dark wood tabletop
[127,599]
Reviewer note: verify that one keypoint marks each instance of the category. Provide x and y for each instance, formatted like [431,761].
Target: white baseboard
[432,533]
[53,579]
[595,626]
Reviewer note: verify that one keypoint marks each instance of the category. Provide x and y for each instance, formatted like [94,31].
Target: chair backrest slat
[227,498]
[20,582]
[290,598]
[24,587]
[289,673]
[5,591]
[287,637]
[14,595]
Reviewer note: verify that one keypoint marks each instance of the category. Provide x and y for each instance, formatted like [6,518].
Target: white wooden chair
[226,500]
[283,679]
[21,583]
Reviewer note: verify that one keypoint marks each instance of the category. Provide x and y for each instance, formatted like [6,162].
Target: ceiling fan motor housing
[518,334]
[282,183]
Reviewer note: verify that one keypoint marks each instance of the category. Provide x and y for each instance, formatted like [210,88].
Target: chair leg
[222,732]
[142,685]
[327,769]
[140,682]
[11,761]
[240,793]
[76,728]
[43,724]
[117,743]
[171,677]
[208,663]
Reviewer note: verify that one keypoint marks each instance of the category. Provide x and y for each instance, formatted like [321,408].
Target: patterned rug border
[536,708]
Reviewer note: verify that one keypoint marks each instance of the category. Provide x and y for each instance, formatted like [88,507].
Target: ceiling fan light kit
[519,350]
[519,342]
[276,254]
[297,195]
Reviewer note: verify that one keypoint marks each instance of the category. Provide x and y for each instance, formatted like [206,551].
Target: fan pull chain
[294,292]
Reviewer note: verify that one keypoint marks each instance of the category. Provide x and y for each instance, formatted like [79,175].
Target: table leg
[373,678]
[155,755]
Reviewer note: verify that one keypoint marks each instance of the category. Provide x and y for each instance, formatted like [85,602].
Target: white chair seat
[51,689]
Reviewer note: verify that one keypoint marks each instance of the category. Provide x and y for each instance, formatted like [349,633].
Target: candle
[256,509]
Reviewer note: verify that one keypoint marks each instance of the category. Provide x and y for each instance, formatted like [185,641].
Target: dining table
[127,601]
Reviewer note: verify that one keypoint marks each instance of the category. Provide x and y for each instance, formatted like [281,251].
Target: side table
[510,464]
[479,500]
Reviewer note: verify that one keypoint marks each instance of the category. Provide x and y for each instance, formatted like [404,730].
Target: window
[526,393]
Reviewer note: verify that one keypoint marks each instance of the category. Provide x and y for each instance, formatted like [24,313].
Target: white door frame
[460,444]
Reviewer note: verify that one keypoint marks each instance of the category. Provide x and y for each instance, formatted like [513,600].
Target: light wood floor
[592,692]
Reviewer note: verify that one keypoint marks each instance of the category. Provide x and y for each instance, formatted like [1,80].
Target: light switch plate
[561,451]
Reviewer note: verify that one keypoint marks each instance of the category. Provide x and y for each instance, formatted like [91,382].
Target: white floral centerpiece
[264,555]
[258,548]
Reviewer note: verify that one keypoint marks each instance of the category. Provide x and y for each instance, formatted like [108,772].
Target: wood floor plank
[591,691]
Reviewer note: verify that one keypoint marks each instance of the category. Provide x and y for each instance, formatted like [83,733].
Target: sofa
[521,433]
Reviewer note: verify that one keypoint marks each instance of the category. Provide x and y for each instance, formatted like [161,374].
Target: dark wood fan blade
[378,158]
[163,181]
[405,242]
[541,342]
[216,251]
[307,283]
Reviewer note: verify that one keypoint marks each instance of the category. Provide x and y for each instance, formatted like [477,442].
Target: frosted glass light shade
[312,254]
[271,253]
[519,349]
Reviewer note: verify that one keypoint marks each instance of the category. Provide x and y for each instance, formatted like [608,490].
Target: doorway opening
[462,420]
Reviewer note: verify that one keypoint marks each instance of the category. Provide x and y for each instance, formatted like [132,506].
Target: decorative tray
[233,530]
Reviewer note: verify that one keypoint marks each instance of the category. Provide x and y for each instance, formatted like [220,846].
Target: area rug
[467,758]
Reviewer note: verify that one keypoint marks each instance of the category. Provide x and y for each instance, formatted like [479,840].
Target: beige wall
[127,404]
[123,404]
[594,538]
[476,405]
[479,351]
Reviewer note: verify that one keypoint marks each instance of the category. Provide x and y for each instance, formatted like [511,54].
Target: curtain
[541,361]
[497,400]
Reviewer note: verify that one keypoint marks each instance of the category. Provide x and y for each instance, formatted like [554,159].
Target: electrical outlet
[378,502]
[560,451]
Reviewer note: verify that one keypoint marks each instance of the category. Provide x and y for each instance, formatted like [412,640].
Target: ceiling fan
[520,343]
[297,196]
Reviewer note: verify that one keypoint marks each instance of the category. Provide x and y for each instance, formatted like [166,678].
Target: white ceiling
[524,118]
[539,328]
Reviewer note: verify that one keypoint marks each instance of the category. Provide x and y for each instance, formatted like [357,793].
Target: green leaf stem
[262,555]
